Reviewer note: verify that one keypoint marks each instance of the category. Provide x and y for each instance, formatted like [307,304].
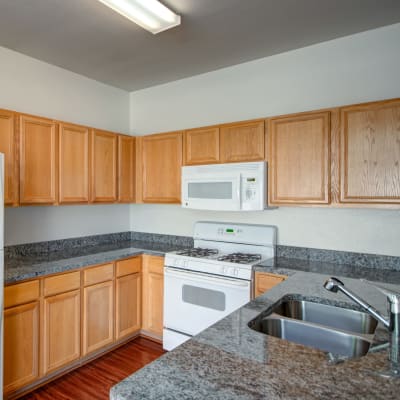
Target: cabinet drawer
[98,274]
[21,293]
[155,264]
[61,283]
[127,267]
[265,281]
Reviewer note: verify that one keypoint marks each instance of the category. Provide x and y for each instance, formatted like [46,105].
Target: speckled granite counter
[289,266]
[18,268]
[231,361]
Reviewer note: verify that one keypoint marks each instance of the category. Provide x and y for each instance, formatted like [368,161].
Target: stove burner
[197,252]
[240,258]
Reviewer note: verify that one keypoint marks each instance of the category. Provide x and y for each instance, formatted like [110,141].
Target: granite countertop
[27,266]
[231,361]
[22,267]
[289,266]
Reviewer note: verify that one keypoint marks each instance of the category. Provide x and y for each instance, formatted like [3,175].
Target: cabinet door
[98,316]
[126,169]
[128,305]
[103,167]
[153,289]
[370,153]
[61,322]
[242,142]
[73,164]
[265,281]
[38,161]
[299,159]
[161,164]
[21,346]
[8,146]
[201,146]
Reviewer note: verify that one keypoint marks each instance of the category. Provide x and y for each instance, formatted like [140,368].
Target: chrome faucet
[392,323]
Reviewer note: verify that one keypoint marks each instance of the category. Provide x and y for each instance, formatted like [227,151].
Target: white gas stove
[226,249]
[209,281]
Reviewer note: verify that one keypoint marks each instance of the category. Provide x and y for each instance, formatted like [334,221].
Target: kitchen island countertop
[231,361]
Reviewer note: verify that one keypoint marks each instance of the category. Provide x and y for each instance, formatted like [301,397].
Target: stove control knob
[223,270]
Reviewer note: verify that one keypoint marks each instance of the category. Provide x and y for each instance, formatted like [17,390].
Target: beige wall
[33,224]
[358,68]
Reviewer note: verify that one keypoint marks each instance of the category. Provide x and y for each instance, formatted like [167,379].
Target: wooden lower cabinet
[98,316]
[128,305]
[153,295]
[54,323]
[61,330]
[21,346]
[265,281]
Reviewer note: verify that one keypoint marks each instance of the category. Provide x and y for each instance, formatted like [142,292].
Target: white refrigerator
[1,267]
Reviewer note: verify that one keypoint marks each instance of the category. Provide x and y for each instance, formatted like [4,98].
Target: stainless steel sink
[336,330]
[319,337]
[334,317]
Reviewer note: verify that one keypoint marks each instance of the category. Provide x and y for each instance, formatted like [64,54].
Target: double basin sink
[336,330]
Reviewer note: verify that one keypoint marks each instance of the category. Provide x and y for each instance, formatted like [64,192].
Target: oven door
[193,301]
[212,192]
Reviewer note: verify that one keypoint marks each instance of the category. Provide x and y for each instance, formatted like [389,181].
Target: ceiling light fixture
[149,14]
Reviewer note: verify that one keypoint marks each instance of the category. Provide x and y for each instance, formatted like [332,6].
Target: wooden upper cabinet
[38,160]
[370,153]
[126,169]
[103,167]
[8,146]
[161,168]
[241,142]
[201,146]
[299,159]
[73,163]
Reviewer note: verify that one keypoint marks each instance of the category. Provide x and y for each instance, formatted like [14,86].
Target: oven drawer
[193,301]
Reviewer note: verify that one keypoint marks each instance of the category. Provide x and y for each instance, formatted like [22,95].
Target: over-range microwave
[225,187]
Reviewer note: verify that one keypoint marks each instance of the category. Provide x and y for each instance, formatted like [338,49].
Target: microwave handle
[239,191]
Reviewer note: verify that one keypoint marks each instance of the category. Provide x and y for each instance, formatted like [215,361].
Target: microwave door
[212,193]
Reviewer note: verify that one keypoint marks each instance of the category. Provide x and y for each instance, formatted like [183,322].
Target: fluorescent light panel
[149,14]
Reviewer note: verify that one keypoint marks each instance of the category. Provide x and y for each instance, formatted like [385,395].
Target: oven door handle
[205,277]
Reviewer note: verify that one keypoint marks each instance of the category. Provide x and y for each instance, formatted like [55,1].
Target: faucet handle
[392,295]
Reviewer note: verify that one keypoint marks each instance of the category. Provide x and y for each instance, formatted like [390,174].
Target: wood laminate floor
[94,380]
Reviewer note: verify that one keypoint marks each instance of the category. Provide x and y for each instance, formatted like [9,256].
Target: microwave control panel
[250,197]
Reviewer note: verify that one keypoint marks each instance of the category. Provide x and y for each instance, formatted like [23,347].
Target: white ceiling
[88,38]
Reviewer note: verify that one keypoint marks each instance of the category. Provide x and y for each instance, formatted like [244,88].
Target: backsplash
[186,241]
[46,247]
[362,260]
[43,248]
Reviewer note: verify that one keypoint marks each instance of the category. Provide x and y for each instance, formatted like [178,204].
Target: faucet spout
[335,285]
